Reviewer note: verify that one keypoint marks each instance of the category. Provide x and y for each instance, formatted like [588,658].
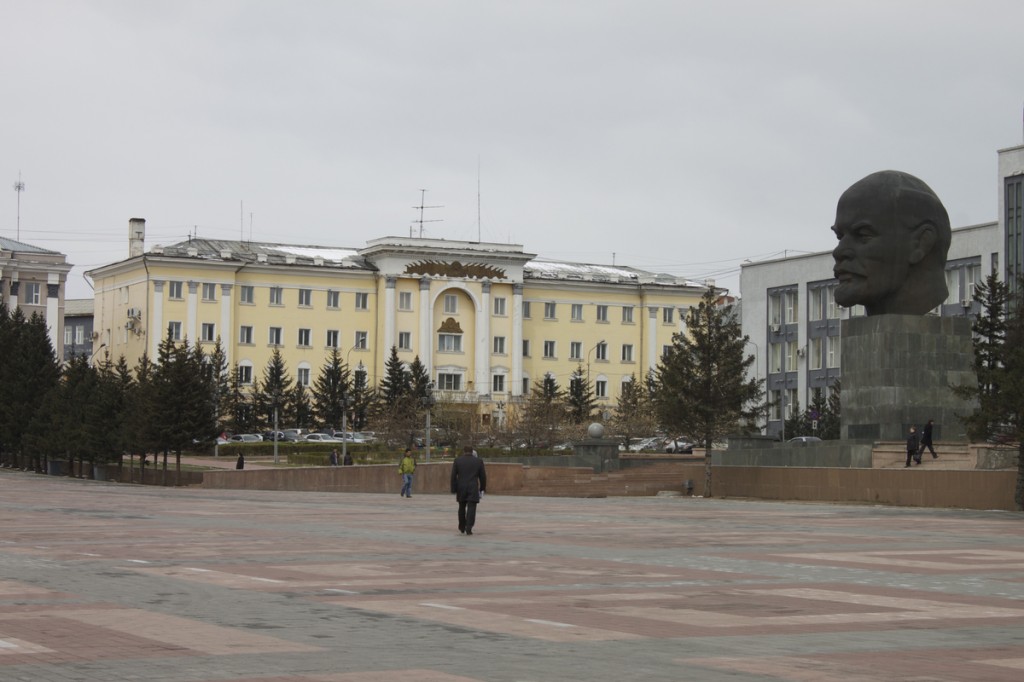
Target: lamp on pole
[277,401]
[428,402]
[344,434]
[757,367]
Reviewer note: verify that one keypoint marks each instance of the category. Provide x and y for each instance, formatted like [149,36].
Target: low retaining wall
[915,487]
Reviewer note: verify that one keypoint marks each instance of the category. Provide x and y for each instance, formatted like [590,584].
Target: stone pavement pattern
[108,582]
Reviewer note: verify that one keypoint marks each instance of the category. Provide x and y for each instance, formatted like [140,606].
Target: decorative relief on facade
[455,269]
[450,326]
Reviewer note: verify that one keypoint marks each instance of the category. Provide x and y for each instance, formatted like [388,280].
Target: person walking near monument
[469,482]
[407,467]
[926,441]
[913,445]
[240,462]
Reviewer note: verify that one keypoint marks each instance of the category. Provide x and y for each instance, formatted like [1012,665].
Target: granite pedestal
[897,372]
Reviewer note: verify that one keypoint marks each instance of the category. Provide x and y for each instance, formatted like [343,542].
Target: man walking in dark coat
[913,446]
[926,440]
[469,481]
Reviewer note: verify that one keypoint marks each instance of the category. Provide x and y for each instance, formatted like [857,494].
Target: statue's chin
[846,297]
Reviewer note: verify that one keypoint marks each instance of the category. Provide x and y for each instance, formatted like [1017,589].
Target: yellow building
[487,320]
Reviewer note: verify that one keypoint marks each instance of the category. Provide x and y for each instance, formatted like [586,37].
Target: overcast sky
[680,137]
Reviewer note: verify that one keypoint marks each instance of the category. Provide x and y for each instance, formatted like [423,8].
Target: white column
[193,311]
[53,314]
[483,341]
[516,351]
[426,337]
[156,319]
[652,337]
[389,314]
[683,312]
[225,321]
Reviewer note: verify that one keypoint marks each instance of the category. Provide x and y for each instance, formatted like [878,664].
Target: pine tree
[634,412]
[580,398]
[330,389]
[395,384]
[703,387]
[999,362]
[273,392]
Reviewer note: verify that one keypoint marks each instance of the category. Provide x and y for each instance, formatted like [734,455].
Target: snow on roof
[328,254]
[556,268]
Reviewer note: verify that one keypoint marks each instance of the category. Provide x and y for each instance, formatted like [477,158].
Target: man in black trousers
[469,481]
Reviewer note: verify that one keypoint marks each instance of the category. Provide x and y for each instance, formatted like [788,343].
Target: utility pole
[19,187]
[423,197]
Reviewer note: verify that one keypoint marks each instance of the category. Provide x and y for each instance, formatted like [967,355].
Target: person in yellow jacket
[407,467]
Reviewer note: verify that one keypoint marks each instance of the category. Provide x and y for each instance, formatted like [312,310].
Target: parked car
[269,436]
[680,446]
[293,435]
[320,438]
[803,440]
[246,438]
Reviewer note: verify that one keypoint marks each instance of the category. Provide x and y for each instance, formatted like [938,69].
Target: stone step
[952,456]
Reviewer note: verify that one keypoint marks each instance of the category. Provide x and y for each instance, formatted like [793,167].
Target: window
[627,314]
[361,339]
[549,311]
[405,300]
[362,301]
[792,313]
[332,338]
[499,345]
[791,356]
[577,312]
[549,349]
[174,290]
[668,315]
[776,358]
[602,313]
[405,340]
[817,306]
[449,343]
[791,402]
[834,346]
[575,350]
[333,299]
[627,352]
[526,348]
[305,297]
[601,351]
[276,294]
[449,382]
[451,304]
[274,338]
[665,350]
[305,338]
[775,309]
[601,388]
[245,335]
[208,332]
[499,306]
[498,383]
[815,354]
[526,310]
[526,386]
[830,303]
[174,330]
[209,291]
[245,294]
[33,294]
[245,374]
[302,376]
[67,335]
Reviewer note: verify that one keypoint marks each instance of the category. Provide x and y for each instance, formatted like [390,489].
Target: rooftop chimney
[136,237]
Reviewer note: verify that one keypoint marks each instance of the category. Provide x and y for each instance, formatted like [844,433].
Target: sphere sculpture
[595,430]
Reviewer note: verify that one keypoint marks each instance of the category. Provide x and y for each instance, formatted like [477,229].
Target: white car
[321,438]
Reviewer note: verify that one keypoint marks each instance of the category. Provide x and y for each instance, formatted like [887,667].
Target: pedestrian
[913,445]
[469,482]
[334,457]
[240,462]
[926,441]
[407,467]
[348,459]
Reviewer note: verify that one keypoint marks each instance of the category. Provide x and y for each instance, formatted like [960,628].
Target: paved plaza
[107,582]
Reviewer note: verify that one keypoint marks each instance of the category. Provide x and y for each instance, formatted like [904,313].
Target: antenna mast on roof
[19,187]
[423,196]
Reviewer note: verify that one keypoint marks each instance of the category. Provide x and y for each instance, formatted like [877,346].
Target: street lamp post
[344,434]
[277,401]
[589,353]
[428,402]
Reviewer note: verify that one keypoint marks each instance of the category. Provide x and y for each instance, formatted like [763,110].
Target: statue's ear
[922,241]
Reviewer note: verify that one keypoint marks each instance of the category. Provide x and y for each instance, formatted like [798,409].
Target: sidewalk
[109,582]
